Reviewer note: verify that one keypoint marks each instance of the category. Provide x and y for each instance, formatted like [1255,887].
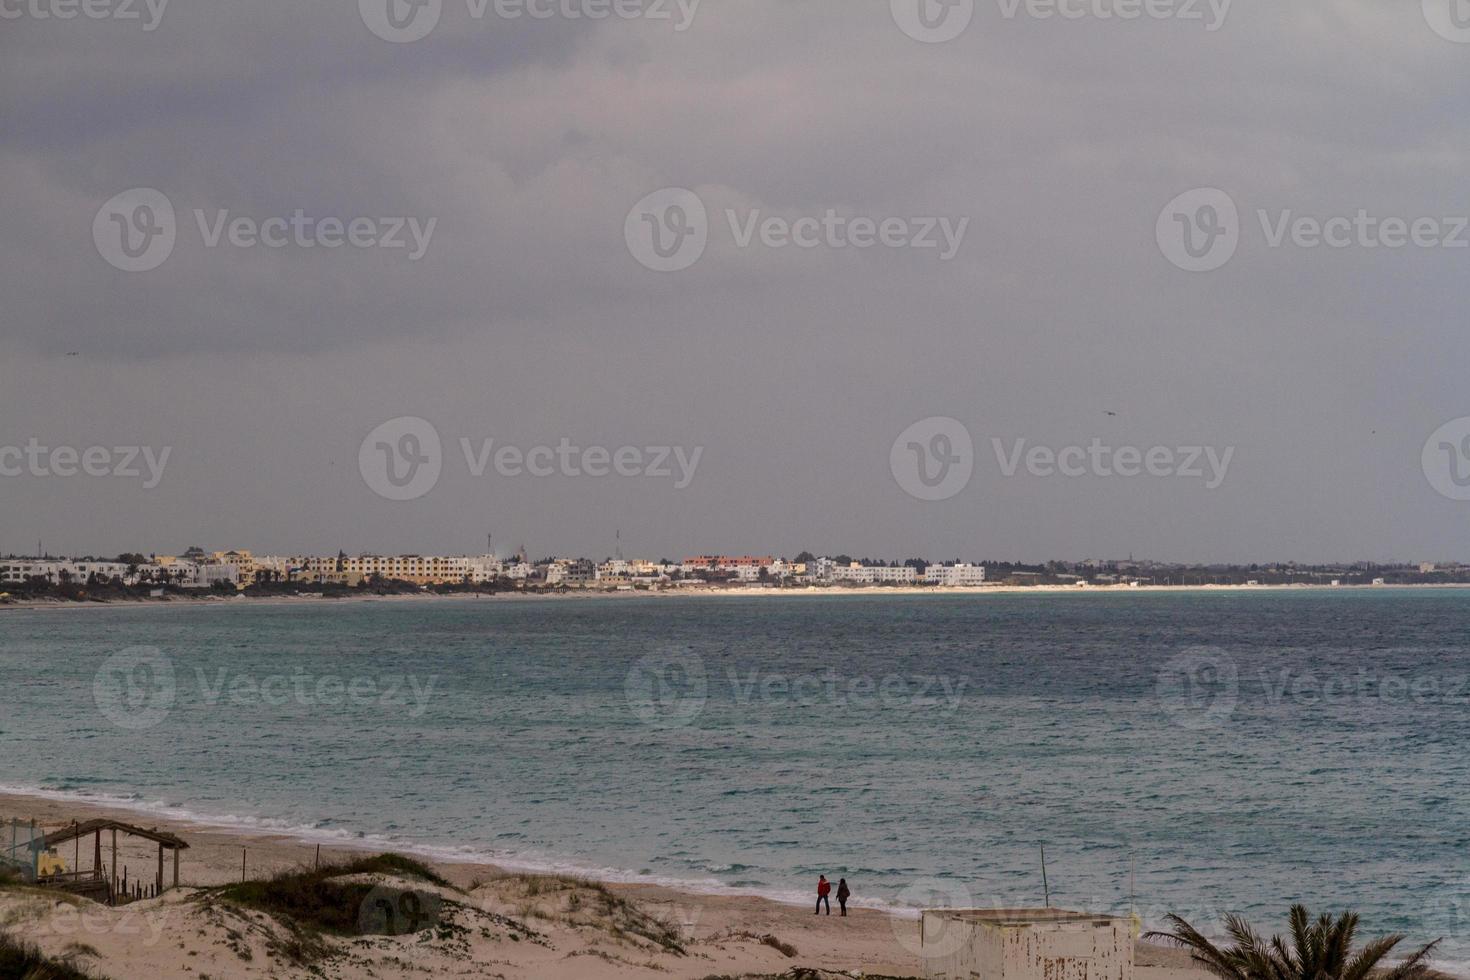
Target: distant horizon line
[861,559]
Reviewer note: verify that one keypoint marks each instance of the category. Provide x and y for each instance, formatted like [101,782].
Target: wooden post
[318,857]
[158,884]
[242,864]
[114,860]
[77,861]
[97,856]
[176,867]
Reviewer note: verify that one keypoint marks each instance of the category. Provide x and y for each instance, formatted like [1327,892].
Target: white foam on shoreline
[446,854]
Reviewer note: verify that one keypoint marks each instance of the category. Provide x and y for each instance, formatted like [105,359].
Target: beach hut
[1024,944]
[103,882]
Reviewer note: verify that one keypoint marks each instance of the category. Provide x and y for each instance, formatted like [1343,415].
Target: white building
[55,571]
[875,575]
[484,568]
[954,576]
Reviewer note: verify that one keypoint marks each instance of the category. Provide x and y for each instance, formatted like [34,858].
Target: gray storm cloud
[525,319]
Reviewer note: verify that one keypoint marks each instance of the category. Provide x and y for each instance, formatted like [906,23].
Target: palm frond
[1320,949]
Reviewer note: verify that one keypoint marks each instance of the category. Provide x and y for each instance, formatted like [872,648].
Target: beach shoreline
[727,933]
[738,592]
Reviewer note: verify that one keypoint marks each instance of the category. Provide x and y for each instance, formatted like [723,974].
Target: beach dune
[490,922]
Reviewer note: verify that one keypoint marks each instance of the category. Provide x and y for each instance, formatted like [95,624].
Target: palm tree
[1321,950]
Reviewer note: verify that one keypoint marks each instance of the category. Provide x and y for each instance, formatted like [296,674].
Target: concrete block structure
[1024,944]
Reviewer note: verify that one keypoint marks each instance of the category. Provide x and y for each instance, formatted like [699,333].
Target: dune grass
[21,961]
[319,900]
[590,904]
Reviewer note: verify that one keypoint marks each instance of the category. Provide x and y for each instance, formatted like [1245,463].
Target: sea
[1191,752]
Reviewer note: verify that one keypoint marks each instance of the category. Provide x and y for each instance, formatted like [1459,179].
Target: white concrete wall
[955,948]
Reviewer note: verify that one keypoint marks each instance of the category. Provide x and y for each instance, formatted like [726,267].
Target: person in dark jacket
[842,893]
[824,888]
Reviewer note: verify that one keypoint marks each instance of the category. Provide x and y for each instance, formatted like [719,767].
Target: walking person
[824,888]
[842,893]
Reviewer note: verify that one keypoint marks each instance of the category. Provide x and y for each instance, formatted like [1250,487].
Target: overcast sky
[526,311]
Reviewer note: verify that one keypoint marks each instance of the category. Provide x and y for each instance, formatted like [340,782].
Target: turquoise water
[1241,750]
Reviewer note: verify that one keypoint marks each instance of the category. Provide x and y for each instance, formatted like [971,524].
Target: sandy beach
[493,923]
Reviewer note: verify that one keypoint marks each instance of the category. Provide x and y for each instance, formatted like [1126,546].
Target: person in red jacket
[824,888]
